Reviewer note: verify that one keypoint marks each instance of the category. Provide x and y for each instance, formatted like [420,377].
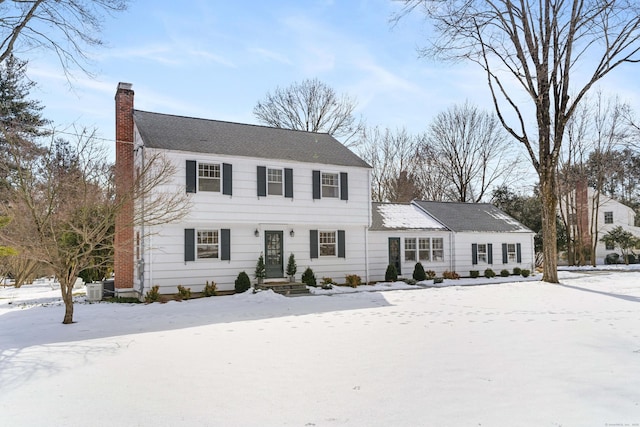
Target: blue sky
[217,59]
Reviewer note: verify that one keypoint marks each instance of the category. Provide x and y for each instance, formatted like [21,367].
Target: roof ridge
[234,123]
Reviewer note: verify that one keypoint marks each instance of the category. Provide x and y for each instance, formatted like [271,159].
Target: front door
[394,253]
[273,254]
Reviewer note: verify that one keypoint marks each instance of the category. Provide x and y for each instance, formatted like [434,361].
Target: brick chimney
[123,256]
[582,212]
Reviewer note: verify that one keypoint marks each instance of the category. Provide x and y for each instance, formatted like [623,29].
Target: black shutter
[341,251]
[288,183]
[344,186]
[474,253]
[490,252]
[191,176]
[505,257]
[227,183]
[225,243]
[189,244]
[518,253]
[316,184]
[313,244]
[262,181]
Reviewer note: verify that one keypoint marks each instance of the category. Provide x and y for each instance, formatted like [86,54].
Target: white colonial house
[447,236]
[253,190]
[256,190]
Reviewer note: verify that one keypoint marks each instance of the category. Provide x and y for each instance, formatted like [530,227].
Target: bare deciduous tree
[311,106]
[472,151]
[66,27]
[67,198]
[554,51]
[393,157]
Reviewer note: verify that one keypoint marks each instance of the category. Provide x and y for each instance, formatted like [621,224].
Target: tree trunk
[67,296]
[549,231]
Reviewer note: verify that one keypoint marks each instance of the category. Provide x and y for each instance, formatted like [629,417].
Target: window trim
[479,253]
[216,244]
[511,260]
[200,177]
[334,243]
[413,250]
[336,179]
[608,217]
[269,182]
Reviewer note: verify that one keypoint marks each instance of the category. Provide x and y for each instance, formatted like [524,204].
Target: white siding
[243,212]
[379,253]
[463,263]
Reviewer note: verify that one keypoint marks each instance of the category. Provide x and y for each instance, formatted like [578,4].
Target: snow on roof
[497,214]
[404,216]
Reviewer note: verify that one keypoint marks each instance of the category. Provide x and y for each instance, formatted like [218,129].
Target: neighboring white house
[591,215]
[260,190]
[445,236]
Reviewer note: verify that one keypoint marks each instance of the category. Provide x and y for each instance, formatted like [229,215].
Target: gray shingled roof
[170,132]
[401,216]
[482,217]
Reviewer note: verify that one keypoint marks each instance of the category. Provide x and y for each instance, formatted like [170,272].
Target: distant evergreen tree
[21,118]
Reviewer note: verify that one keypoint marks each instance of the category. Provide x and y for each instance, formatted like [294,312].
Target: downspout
[366,228]
[142,231]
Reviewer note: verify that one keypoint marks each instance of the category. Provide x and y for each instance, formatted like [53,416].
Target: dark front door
[394,252]
[273,254]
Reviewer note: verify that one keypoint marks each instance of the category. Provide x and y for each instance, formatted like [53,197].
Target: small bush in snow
[450,275]
[438,280]
[308,278]
[409,281]
[505,273]
[418,272]
[353,280]
[517,271]
[153,294]
[391,275]
[525,273]
[327,281]
[474,274]
[210,290]
[243,283]
[489,273]
[183,293]
[430,274]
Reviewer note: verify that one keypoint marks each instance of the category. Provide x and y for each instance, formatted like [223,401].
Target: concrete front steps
[285,288]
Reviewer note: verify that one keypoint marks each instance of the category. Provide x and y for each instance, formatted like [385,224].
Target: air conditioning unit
[94,291]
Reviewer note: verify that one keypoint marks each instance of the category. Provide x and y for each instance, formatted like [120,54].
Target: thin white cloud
[270,55]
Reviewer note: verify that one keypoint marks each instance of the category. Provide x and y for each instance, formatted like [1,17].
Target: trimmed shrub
[474,274]
[631,259]
[153,294]
[391,275]
[517,271]
[525,273]
[292,267]
[505,273]
[353,280]
[489,273]
[409,281]
[418,272]
[308,278]
[430,274]
[243,283]
[183,293]
[437,280]
[260,272]
[327,281]
[451,275]
[210,290]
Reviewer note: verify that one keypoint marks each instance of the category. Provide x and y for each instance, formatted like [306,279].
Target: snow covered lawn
[513,354]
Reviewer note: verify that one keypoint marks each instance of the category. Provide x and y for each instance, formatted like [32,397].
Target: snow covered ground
[512,354]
